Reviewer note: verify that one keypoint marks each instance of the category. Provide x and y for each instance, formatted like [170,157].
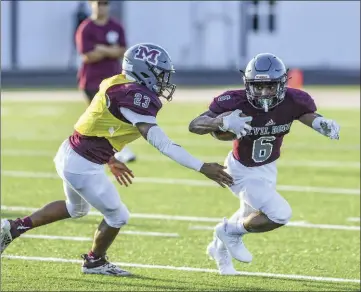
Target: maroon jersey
[94,146]
[88,35]
[125,95]
[263,144]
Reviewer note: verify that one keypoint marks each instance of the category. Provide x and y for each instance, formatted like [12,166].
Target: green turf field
[175,208]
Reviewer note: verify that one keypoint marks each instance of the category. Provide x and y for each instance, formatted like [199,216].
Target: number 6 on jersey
[262,150]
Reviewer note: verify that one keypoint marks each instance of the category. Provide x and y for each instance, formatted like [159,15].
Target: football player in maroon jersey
[252,162]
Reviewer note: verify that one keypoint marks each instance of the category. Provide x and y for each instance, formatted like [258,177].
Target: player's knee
[282,215]
[116,217]
[78,210]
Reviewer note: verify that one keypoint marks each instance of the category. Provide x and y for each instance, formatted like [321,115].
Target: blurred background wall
[208,41]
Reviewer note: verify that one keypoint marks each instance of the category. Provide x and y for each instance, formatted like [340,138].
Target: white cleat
[222,258]
[5,236]
[125,155]
[233,243]
[101,266]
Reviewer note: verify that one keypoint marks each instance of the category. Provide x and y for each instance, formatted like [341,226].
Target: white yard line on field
[195,219]
[301,224]
[189,182]
[159,158]
[190,269]
[75,238]
[133,215]
[55,237]
[323,226]
[353,219]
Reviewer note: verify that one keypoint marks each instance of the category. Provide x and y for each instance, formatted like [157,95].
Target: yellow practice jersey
[102,130]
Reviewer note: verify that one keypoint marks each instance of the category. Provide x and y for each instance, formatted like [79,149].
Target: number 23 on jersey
[141,100]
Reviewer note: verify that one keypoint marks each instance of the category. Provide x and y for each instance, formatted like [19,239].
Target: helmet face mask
[163,87]
[265,81]
[151,66]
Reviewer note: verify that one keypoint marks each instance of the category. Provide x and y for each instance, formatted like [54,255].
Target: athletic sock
[23,225]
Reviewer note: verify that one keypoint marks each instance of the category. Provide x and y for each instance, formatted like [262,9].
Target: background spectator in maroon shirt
[100,40]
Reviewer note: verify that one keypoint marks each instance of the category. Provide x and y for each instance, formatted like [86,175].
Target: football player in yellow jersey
[124,109]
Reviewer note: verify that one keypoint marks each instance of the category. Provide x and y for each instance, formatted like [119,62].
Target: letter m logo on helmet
[147,54]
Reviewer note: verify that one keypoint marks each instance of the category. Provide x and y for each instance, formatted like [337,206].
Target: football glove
[330,129]
[236,124]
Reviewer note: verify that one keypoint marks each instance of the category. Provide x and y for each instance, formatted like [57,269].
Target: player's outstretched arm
[148,128]
[210,122]
[328,128]
[158,139]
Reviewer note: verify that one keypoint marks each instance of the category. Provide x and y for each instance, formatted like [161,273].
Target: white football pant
[256,188]
[86,184]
